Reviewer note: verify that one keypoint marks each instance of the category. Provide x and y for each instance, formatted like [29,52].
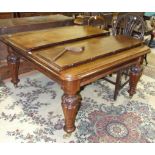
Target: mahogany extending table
[102,55]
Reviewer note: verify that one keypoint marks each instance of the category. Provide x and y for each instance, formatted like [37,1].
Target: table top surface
[38,39]
[4,23]
[93,48]
[101,49]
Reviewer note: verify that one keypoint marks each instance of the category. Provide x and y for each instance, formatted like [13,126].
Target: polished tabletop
[94,48]
[35,39]
[44,45]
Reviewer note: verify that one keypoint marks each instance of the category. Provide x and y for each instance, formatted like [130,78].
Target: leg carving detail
[13,63]
[70,105]
[135,74]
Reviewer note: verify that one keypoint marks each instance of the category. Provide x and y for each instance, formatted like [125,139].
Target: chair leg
[118,84]
[126,73]
[146,62]
[152,36]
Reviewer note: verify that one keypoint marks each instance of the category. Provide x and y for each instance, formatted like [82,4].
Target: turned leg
[13,63]
[70,103]
[70,106]
[135,74]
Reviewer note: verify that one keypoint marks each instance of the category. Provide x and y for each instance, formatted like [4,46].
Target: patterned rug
[32,113]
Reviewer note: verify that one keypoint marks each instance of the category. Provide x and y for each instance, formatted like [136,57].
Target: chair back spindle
[129,25]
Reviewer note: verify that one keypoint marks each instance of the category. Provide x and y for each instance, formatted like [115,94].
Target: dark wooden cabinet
[6,15]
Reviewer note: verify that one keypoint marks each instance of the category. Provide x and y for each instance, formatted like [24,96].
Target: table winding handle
[69,49]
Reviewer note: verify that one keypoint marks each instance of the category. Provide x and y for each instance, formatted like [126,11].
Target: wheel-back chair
[130,25]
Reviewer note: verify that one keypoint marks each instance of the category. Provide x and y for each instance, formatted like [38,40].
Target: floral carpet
[32,113]
[150,68]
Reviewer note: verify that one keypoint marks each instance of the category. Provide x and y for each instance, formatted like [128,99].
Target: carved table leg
[13,63]
[70,105]
[135,74]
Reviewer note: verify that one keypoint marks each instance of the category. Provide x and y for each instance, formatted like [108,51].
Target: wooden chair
[149,31]
[98,21]
[129,25]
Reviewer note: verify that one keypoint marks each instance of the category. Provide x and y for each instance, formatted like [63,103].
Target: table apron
[102,73]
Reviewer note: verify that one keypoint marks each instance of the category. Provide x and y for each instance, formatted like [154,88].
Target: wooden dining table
[75,56]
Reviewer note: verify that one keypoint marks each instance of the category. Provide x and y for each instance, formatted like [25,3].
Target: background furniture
[149,28]
[82,18]
[97,21]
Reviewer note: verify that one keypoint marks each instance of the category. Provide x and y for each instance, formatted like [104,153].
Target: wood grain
[39,39]
[103,49]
